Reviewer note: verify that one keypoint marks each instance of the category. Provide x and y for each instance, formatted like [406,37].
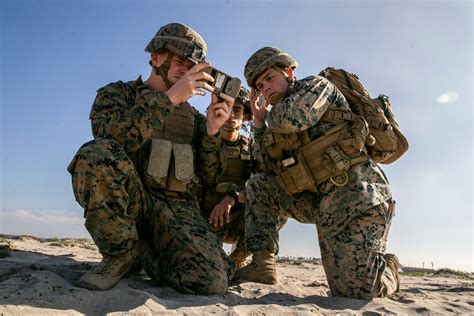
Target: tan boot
[392,262]
[261,270]
[109,271]
[239,256]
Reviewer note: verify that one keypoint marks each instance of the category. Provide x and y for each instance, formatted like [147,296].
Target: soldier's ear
[157,59]
[289,71]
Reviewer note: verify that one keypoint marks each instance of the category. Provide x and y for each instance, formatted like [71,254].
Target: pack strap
[338,116]
[348,80]
[378,124]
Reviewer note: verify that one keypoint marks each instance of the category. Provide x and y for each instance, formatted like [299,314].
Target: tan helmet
[181,40]
[244,98]
[265,58]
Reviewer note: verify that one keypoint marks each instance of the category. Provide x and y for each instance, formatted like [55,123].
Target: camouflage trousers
[352,258]
[120,211]
[232,232]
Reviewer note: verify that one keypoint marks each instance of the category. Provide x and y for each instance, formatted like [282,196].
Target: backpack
[390,144]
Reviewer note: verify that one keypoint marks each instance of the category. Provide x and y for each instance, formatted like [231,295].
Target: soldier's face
[178,67]
[236,117]
[272,84]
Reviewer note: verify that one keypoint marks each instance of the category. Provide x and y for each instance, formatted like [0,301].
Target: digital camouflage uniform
[123,211]
[352,221]
[229,162]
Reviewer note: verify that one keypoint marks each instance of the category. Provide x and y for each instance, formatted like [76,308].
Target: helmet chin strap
[291,82]
[162,71]
[230,129]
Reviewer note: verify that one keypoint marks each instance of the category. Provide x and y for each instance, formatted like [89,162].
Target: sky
[54,55]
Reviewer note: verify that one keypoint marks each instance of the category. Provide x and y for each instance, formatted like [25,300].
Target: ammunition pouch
[169,166]
[327,158]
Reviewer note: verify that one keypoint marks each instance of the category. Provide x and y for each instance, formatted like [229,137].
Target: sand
[39,276]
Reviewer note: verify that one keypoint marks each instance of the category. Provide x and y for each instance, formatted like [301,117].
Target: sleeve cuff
[258,133]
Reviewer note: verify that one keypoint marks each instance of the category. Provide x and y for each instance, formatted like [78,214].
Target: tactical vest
[235,162]
[303,164]
[168,157]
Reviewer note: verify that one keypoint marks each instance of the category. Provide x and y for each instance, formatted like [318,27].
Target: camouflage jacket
[216,164]
[120,113]
[301,109]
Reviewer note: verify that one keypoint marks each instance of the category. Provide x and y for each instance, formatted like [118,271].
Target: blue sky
[54,55]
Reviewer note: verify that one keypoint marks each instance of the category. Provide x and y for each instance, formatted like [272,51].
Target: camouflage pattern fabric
[214,162]
[353,259]
[342,214]
[120,210]
[269,207]
[179,39]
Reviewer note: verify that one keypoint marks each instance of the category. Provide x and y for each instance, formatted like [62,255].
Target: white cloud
[447,97]
[51,217]
[42,223]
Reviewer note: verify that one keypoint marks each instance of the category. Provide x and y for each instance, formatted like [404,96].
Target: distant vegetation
[448,273]
[298,260]
[57,242]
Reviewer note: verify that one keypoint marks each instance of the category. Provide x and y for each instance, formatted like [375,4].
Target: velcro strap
[338,115]
[322,174]
[336,158]
[378,124]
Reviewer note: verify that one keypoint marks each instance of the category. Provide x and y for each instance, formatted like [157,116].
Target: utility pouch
[296,179]
[156,172]
[353,140]
[329,157]
[182,168]
[184,159]
[275,143]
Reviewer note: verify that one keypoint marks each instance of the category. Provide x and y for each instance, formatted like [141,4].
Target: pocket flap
[159,160]
[184,162]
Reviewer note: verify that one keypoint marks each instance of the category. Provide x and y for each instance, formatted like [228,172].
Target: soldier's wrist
[233,194]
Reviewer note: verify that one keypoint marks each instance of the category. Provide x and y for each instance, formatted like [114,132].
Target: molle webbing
[178,126]
[338,116]
[168,157]
[325,151]
[328,157]
[236,163]
[386,142]
[233,171]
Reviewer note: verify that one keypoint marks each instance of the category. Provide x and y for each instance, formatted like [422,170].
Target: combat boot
[261,270]
[392,262]
[239,256]
[110,270]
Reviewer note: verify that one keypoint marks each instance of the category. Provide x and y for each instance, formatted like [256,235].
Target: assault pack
[386,143]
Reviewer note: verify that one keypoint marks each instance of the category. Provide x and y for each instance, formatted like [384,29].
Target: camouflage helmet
[244,98]
[265,58]
[181,40]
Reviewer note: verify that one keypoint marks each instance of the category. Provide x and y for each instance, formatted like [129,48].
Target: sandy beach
[38,277]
